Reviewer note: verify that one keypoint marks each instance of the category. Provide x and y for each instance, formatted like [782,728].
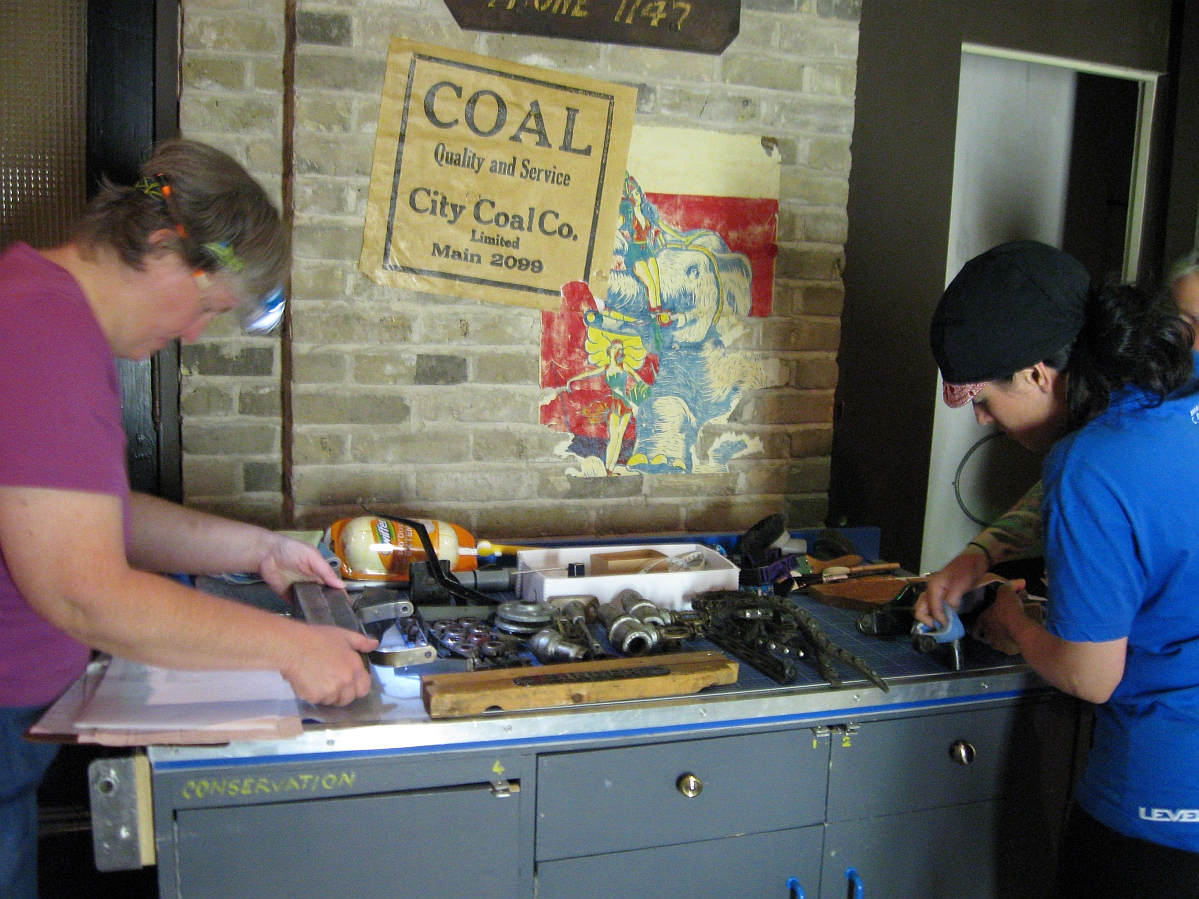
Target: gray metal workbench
[951,784]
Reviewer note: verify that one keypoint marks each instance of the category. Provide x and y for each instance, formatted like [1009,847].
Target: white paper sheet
[133,696]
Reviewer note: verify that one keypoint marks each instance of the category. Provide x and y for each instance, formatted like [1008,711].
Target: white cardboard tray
[541,574]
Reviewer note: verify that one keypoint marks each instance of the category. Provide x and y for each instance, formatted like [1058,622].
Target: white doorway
[1042,145]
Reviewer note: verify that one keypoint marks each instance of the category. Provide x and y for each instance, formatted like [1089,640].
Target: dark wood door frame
[132,102]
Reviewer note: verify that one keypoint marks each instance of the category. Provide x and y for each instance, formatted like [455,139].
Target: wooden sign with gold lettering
[700,26]
[494,180]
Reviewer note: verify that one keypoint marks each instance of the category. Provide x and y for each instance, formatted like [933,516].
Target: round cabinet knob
[962,752]
[689,785]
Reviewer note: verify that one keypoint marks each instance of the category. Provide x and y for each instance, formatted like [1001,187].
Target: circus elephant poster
[632,378]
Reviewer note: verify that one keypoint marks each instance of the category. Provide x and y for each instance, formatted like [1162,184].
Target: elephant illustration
[704,296]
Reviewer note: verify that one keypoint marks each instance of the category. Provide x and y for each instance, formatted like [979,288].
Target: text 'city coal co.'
[494,180]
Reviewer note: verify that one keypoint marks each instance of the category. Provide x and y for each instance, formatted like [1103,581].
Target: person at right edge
[1016,535]
[1103,379]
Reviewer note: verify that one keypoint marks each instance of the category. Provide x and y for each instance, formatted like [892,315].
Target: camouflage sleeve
[1017,532]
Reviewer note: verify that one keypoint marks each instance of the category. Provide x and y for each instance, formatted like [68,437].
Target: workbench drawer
[756,866]
[930,761]
[357,847]
[982,850]
[638,797]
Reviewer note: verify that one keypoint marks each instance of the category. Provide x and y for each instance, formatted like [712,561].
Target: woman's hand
[947,586]
[285,560]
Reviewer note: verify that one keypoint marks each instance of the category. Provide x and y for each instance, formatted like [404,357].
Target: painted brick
[812,441]
[507,368]
[757,32]
[482,327]
[242,114]
[830,154]
[211,477]
[201,400]
[809,475]
[230,438]
[556,485]
[764,478]
[753,69]
[326,241]
[263,477]
[814,188]
[840,9]
[349,485]
[779,6]
[264,156]
[545,53]
[637,518]
[501,519]
[791,407]
[205,72]
[374,28]
[325,71]
[393,446]
[671,65]
[318,280]
[349,408]
[259,401]
[818,40]
[382,366]
[324,196]
[433,369]
[238,32]
[312,448]
[477,405]
[815,373]
[467,484]
[332,29]
[335,323]
[727,516]
[665,486]
[823,299]
[806,511]
[529,444]
[266,74]
[317,367]
[805,263]
[731,109]
[808,115]
[223,359]
[325,113]
[339,156]
[823,226]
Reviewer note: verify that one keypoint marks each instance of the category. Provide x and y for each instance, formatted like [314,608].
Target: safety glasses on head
[259,315]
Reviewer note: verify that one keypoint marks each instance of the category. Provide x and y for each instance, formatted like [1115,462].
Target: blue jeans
[22,766]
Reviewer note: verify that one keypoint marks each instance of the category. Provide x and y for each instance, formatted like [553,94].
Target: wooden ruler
[552,686]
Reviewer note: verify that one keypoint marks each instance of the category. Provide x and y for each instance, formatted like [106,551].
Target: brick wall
[428,405]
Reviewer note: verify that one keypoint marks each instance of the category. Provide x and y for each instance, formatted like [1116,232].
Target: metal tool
[326,605]
[450,588]
[771,632]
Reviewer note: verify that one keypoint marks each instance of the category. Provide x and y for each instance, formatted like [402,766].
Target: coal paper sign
[493,180]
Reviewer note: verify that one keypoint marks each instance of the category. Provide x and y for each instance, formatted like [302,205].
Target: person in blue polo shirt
[1103,379]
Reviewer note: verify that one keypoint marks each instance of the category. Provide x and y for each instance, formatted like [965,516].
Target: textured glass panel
[43,110]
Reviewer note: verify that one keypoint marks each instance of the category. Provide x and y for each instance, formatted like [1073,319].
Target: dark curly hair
[1132,337]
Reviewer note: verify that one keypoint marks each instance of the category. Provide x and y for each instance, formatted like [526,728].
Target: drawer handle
[689,785]
[962,752]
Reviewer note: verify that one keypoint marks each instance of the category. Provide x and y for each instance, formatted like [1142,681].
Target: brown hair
[209,200]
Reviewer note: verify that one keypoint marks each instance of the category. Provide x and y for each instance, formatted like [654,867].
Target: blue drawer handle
[794,890]
[855,884]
